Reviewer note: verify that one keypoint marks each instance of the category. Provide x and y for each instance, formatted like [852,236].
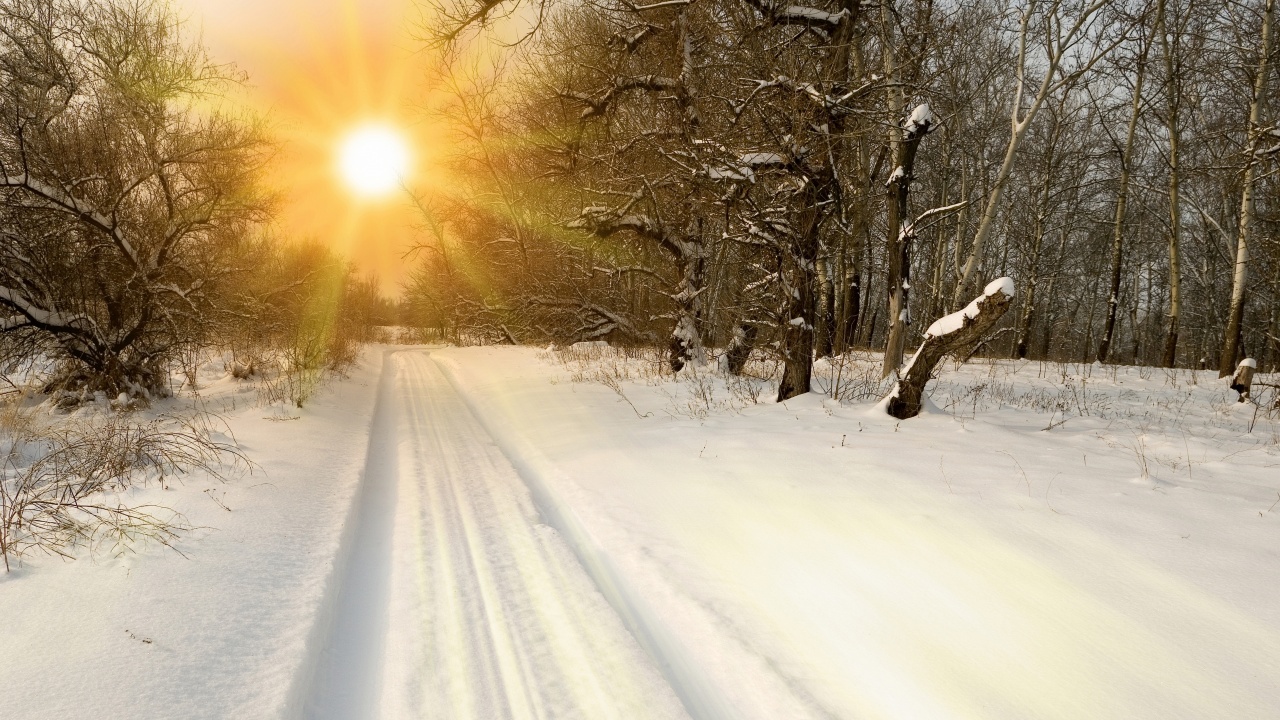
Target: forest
[797,180]
[642,359]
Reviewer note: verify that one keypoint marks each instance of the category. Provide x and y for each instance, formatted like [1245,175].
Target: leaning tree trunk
[953,333]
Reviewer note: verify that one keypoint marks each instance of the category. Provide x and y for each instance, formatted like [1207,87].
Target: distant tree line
[805,178]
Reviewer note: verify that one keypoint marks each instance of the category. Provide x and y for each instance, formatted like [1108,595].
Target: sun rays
[320,70]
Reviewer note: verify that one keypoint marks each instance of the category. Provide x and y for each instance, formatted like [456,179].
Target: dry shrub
[61,484]
[853,376]
[302,312]
[697,391]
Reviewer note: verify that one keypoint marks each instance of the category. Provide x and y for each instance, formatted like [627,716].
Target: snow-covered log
[947,335]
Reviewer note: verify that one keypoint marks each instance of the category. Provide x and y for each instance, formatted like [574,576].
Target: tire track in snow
[492,616]
[352,630]
[455,600]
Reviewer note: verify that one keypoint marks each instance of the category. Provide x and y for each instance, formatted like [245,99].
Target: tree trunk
[1173,97]
[852,310]
[797,330]
[740,347]
[1122,202]
[823,328]
[847,63]
[896,199]
[901,235]
[1235,317]
[801,259]
[686,338]
[1038,232]
[970,326]
[1028,309]
[1273,336]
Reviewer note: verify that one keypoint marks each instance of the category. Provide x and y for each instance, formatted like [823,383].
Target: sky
[317,70]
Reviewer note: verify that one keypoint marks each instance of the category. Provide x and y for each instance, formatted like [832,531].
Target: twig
[1024,472]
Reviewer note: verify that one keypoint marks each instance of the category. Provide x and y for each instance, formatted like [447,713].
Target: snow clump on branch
[920,121]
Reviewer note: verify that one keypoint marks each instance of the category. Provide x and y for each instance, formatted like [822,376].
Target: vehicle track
[486,613]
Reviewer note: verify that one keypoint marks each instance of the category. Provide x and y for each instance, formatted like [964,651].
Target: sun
[373,160]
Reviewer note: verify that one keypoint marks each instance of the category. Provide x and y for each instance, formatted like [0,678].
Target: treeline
[132,218]
[805,178]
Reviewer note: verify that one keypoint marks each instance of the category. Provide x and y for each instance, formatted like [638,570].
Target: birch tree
[1255,135]
[1072,46]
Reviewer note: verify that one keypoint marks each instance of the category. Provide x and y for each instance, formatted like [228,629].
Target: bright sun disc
[373,160]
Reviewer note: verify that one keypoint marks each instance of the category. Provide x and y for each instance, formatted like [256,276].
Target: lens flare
[373,160]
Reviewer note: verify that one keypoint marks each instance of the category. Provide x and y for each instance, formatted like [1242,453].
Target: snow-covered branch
[800,15]
[598,103]
[77,207]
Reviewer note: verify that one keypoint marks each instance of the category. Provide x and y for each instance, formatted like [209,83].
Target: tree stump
[1242,380]
[947,335]
[739,350]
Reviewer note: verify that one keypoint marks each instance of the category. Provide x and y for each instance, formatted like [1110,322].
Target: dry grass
[695,392]
[63,482]
[1134,400]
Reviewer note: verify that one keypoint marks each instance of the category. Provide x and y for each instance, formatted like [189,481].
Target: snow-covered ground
[384,560]
[484,610]
[812,560]
[227,631]
[512,533]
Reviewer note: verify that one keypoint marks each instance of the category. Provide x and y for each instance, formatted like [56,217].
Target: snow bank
[226,631]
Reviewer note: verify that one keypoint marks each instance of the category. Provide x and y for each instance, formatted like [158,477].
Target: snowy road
[453,600]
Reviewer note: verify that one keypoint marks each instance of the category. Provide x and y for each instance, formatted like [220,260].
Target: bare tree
[1070,51]
[1104,180]
[120,201]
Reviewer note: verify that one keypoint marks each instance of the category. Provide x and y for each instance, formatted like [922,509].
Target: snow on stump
[1242,380]
[955,332]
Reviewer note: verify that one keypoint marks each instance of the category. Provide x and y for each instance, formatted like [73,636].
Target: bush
[56,481]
